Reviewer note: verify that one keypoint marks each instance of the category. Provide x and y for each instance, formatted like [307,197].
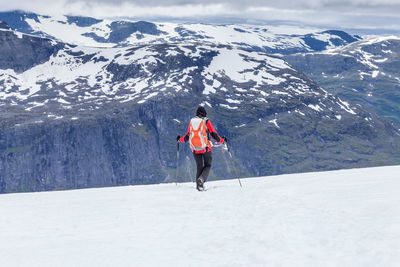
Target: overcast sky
[339,13]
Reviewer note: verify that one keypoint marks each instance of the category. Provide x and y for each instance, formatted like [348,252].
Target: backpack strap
[208,132]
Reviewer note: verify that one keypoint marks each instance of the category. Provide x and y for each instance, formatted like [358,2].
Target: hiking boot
[200,184]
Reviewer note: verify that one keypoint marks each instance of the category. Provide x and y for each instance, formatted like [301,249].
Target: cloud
[327,5]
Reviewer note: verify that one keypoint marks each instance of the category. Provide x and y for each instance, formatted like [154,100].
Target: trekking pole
[230,154]
[177,162]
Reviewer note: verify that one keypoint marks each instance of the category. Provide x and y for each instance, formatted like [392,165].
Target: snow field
[338,218]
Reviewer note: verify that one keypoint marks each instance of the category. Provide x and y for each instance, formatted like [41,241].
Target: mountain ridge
[95,32]
[77,116]
[89,117]
[364,72]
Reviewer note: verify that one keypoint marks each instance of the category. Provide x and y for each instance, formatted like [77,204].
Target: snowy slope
[338,218]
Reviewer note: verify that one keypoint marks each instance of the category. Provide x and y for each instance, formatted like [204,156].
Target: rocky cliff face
[88,153]
[85,117]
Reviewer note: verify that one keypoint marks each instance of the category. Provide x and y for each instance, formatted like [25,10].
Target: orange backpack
[198,134]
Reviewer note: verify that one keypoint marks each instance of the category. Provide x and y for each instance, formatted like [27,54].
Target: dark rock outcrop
[24,52]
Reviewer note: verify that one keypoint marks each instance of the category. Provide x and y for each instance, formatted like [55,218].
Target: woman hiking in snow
[198,134]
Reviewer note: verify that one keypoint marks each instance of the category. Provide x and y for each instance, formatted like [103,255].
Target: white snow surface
[241,65]
[337,218]
[274,121]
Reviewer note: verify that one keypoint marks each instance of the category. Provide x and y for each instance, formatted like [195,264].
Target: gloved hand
[177,138]
[225,139]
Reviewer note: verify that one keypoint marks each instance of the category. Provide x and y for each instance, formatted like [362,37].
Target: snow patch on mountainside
[232,63]
[69,33]
[242,66]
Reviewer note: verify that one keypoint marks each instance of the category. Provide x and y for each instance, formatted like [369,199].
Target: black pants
[203,162]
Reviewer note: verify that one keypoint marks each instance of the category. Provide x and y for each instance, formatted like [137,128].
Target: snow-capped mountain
[78,116]
[75,76]
[365,72]
[336,218]
[108,33]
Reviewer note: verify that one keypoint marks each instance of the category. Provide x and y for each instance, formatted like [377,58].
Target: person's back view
[198,134]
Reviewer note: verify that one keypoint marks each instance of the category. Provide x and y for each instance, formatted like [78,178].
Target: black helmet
[201,112]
